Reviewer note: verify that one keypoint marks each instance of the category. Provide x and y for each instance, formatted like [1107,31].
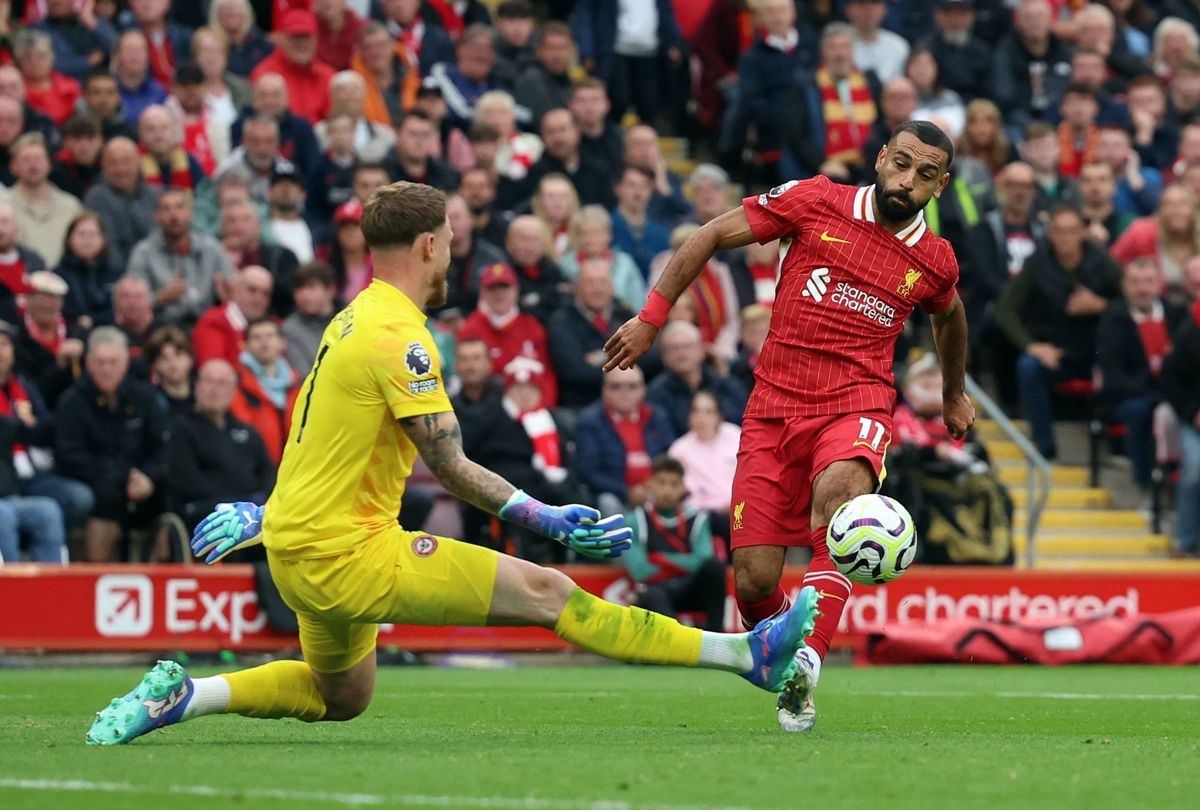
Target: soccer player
[374,400]
[820,418]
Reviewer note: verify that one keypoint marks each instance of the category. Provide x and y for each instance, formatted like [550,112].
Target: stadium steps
[1079,529]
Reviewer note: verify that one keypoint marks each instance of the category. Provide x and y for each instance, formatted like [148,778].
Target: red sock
[834,588]
[754,612]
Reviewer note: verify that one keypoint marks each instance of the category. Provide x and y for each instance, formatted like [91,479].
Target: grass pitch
[611,738]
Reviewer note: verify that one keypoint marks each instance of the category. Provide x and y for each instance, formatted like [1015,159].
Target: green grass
[607,738]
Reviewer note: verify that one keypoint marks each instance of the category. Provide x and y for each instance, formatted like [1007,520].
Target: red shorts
[779,459]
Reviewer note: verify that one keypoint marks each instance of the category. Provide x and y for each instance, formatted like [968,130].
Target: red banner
[197,608]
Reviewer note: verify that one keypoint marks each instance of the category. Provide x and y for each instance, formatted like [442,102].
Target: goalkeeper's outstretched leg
[522,594]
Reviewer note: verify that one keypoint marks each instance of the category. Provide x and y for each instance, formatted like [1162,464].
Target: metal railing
[1039,468]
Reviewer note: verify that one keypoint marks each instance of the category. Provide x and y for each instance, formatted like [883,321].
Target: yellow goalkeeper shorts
[398,577]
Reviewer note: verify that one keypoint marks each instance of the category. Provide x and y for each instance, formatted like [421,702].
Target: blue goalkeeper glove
[576,526]
[229,527]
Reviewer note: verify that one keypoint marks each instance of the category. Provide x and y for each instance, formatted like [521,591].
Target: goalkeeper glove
[229,527]
[576,526]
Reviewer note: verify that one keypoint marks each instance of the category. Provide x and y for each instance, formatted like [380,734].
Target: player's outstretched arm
[438,438]
[636,336]
[950,336]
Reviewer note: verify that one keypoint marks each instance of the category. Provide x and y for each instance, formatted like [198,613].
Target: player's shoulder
[938,251]
[797,196]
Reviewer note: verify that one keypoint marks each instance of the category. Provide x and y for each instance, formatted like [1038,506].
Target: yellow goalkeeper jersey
[347,459]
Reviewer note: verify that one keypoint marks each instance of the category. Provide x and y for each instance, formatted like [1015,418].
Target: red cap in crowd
[298,22]
[498,275]
[349,211]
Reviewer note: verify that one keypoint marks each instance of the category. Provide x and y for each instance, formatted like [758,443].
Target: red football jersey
[846,287]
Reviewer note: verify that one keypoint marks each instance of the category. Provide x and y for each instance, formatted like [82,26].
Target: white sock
[814,662]
[727,651]
[209,696]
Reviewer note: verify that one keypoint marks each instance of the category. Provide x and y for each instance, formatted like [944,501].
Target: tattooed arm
[438,439]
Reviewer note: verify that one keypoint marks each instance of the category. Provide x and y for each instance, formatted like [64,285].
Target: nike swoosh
[825,237]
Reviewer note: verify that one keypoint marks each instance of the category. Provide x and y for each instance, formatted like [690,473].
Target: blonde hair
[245,7]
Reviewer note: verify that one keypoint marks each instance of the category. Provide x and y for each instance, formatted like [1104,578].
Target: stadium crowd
[184,179]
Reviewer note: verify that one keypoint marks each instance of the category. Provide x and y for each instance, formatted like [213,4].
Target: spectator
[412,159]
[347,92]
[133,315]
[46,349]
[42,211]
[225,92]
[478,189]
[935,101]
[204,136]
[756,319]
[392,82]
[112,436]
[350,260]
[425,45]
[168,41]
[784,50]
[296,61]
[1031,66]
[314,292]
[708,454]
[546,84]
[578,331]
[562,156]
[627,46]
[473,371]
[1096,188]
[1095,29]
[267,386]
[286,220]
[599,137]
[76,167]
[181,266]
[591,238]
[616,438]
[1089,71]
[1138,187]
[518,150]
[214,457]
[338,30]
[1050,310]
[515,23]
[634,230]
[984,137]
[710,192]
[33,440]
[169,358]
[964,60]
[81,41]
[541,280]
[12,86]
[897,104]
[247,44]
[1171,237]
[102,98]
[332,183]
[1133,20]
[672,558]
[1042,150]
[464,80]
[1132,341]
[556,203]
[684,374]
[455,18]
[667,204]
[1156,141]
[1181,386]
[1175,38]
[453,145]
[1077,132]
[16,265]
[876,50]
[1015,225]
[257,157]
[1183,92]
[165,163]
[269,97]
[509,333]
[138,89]
[825,130]
[241,236]
[49,92]
[123,201]
[1188,154]
[88,271]
[713,295]
[469,255]
[220,330]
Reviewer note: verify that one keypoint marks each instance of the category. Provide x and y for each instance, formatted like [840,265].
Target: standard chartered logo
[817,284]
[870,305]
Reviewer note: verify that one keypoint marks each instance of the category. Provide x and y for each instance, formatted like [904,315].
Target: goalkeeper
[374,400]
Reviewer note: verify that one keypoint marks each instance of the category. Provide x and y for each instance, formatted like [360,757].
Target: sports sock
[754,612]
[277,689]
[833,587]
[209,696]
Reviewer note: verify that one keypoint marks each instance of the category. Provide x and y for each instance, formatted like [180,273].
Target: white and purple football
[872,539]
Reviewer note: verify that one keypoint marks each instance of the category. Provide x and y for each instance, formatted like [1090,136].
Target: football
[872,539]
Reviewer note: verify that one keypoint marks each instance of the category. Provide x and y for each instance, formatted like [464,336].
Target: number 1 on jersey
[311,385]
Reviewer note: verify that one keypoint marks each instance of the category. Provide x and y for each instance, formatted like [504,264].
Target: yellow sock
[277,689]
[627,633]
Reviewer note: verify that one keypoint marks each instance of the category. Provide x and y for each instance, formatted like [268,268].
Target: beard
[440,292]
[896,205]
